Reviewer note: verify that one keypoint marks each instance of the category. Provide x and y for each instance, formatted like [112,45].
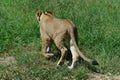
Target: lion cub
[57,30]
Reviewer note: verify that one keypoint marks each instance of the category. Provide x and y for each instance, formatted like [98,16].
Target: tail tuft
[94,62]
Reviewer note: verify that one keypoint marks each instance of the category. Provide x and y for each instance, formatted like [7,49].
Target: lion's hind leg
[75,55]
[60,45]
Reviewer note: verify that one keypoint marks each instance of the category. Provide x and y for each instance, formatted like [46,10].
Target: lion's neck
[45,17]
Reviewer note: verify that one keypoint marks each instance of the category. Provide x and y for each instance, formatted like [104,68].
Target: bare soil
[98,76]
[7,60]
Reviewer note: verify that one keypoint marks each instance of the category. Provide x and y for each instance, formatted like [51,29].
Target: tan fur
[57,30]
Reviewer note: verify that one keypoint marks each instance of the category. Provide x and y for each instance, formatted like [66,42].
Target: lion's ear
[38,13]
[49,12]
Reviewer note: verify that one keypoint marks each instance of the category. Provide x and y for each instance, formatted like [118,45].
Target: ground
[47,67]
[98,24]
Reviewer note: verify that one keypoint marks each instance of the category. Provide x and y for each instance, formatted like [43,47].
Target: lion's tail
[72,35]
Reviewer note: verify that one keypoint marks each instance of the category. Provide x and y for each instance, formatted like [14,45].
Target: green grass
[98,23]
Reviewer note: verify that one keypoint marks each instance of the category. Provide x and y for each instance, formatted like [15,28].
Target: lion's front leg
[46,45]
